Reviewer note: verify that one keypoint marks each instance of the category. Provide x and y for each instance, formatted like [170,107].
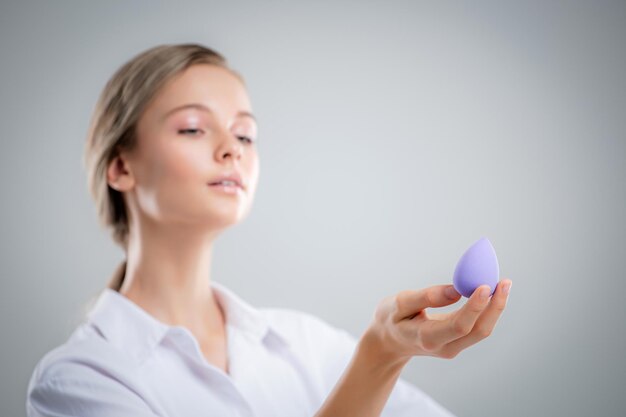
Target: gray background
[392,136]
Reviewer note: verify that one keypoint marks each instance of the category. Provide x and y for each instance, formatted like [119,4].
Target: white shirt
[123,362]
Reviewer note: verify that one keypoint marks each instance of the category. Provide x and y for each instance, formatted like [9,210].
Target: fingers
[436,333]
[485,323]
[411,302]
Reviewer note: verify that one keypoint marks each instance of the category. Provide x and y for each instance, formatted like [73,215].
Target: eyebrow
[202,107]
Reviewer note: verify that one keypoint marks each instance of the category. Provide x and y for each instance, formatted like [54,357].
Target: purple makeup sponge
[478,266]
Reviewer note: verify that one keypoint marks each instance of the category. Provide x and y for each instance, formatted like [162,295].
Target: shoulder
[85,349]
[82,372]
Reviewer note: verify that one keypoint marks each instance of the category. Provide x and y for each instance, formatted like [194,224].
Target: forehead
[211,85]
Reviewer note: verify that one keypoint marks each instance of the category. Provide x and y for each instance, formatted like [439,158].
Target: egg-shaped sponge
[478,266]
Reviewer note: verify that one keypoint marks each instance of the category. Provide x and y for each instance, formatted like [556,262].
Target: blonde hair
[113,125]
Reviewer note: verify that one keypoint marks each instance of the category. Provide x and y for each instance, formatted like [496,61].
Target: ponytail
[117,279]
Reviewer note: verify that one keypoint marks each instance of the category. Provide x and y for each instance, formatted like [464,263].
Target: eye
[245,139]
[186,131]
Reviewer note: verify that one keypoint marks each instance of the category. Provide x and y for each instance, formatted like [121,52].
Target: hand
[401,328]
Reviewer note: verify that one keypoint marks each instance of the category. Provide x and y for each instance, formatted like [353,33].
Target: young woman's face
[181,149]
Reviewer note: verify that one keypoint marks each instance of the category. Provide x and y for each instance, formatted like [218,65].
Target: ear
[119,174]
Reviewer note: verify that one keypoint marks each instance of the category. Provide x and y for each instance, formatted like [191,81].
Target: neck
[168,275]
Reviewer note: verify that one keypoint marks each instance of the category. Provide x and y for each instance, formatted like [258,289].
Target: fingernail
[507,287]
[451,292]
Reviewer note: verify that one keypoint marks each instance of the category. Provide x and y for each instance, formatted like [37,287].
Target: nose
[229,146]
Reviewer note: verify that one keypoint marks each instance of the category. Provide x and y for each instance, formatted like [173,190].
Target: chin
[223,219]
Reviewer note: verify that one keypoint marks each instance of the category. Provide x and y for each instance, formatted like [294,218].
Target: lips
[232,177]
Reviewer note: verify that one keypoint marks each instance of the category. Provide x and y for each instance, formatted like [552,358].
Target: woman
[172,162]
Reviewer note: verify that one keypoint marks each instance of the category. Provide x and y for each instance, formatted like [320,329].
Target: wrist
[377,351]
[365,385]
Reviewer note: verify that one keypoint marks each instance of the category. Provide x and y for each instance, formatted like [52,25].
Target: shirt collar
[127,326]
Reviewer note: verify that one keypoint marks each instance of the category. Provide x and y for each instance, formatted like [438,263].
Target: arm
[402,329]
[365,386]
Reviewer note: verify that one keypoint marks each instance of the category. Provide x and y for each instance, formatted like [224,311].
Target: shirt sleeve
[94,395]
[405,400]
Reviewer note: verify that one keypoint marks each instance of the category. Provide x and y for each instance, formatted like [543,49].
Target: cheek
[252,169]
[182,164]
[175,180]
[169,172]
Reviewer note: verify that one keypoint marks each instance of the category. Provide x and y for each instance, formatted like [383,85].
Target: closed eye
[193,132]
[245,139]
[184,131]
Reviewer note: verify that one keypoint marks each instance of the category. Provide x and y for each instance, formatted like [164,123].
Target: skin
[401,329]
[175,218]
